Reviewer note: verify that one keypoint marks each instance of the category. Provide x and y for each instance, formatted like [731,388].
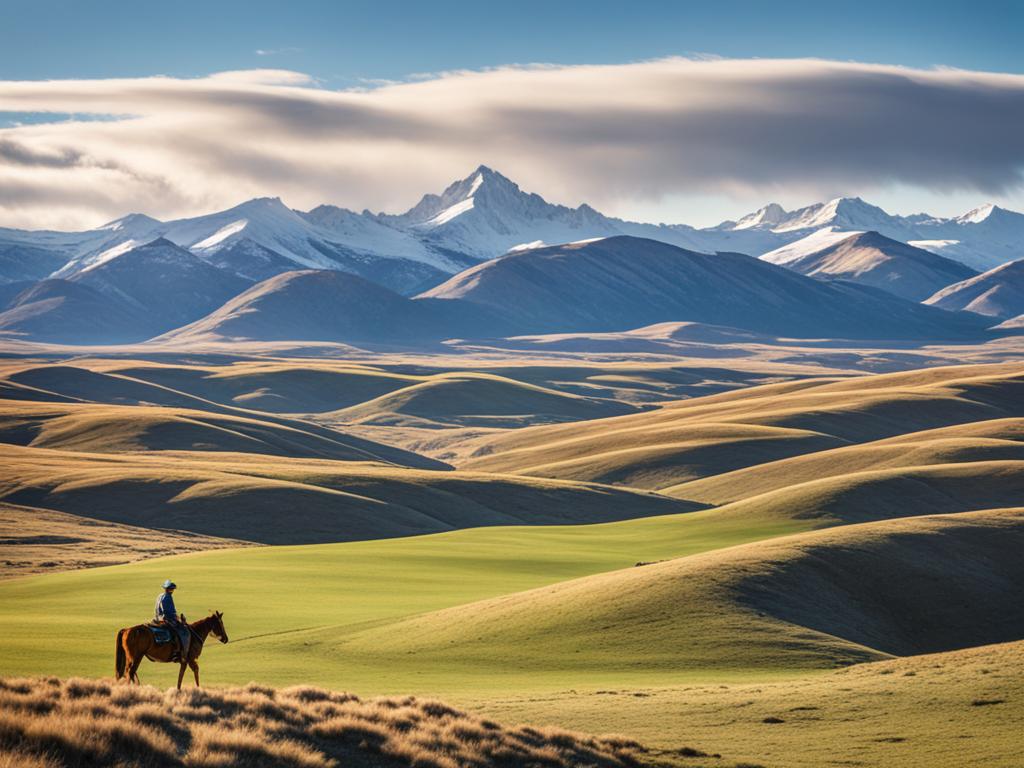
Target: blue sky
[342,42]
[185,151]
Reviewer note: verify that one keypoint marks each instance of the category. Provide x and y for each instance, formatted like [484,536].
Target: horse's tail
[120,662]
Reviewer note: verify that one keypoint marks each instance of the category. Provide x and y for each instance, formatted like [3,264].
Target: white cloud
[172,147]
[276,51]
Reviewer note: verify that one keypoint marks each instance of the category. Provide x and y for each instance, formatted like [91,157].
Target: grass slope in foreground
[274,597]
[960,708]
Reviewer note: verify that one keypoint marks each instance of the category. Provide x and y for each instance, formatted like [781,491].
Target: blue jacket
[165,610]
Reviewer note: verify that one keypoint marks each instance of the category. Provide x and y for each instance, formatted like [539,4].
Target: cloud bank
[174,147]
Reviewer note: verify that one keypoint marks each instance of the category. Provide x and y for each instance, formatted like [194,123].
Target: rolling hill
[41,541]
[477,400]
[868,258]
[687,440]
[94,428]
[619,283]
[272,386]
[327,305]
[815,600]
[997,293]
[271,499]
[981,441]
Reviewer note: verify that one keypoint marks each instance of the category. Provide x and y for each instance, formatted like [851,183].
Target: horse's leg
[195,670]
[133,674]
[181,674]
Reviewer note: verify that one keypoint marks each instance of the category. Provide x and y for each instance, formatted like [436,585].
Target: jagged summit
[483,184]
[769,216]
[979,214]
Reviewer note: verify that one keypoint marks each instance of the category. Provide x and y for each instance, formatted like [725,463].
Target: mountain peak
[160,242]
[769,216]
[263,203]
[979,214]
[133,221]
[485,178]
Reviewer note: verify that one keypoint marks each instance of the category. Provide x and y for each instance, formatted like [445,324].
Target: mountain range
[624,282]
[479,217]
[605,284]
[486,259]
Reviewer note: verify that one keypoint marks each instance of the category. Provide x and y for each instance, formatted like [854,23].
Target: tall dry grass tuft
[47,722]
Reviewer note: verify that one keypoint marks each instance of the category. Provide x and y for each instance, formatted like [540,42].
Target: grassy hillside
[689,439]
[474,399]
[404,615]
[959,708]
[538,593]
[35,540]
[815,600]
[94,428]
[983,441]
[347,587]
[265,385]
[887,493]
[274,500]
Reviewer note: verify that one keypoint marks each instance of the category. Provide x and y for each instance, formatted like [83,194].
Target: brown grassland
[794,554]
[48,722]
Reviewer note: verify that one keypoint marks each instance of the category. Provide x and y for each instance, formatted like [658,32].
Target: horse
[138,642]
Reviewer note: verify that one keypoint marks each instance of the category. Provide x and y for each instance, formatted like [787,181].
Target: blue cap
[169,584]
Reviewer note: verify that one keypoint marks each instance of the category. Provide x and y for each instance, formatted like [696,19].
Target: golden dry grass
[686,440]
[77,722]
[101,428]
[477,399]
[982,441]
[275,500]
[34,540]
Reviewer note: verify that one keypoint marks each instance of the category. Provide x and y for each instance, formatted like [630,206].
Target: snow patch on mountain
[221,234]
[978,215]
[814,242]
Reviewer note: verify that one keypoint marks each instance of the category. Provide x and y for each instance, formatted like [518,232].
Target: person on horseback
[167,614]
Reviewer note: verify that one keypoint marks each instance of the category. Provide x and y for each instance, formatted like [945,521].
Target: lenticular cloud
[170,146]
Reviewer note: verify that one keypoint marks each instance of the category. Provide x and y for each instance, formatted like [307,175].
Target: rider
[167,614]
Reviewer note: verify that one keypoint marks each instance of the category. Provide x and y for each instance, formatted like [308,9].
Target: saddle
[162,634]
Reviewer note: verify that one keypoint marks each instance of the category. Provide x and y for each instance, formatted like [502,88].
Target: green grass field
[277,599]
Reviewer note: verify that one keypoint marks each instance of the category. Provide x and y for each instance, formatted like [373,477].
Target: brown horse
[136,643]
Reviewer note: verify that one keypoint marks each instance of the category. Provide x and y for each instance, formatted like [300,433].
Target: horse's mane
[211,619]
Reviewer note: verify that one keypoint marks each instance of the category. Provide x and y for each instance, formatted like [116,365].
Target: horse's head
[218,626]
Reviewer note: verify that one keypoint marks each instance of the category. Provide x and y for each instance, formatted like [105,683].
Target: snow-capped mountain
[278,237]
[869,258]
[486,215]
[983,238]
[480,217]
